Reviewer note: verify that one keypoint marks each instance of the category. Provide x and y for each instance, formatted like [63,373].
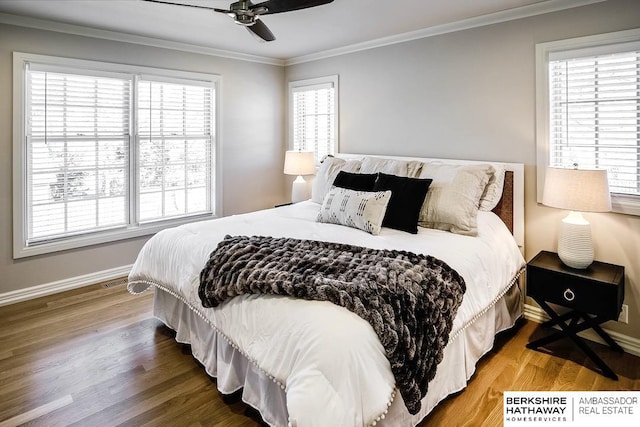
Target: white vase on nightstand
[575,245]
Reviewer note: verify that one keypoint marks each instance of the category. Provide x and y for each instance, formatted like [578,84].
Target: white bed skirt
[234,372]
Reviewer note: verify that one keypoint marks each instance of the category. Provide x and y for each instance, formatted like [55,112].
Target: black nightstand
[594,296]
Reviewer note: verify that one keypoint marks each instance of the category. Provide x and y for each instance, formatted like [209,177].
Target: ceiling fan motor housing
[244,19]
[244,14]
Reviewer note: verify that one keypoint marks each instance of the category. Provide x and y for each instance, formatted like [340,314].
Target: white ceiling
[336,25]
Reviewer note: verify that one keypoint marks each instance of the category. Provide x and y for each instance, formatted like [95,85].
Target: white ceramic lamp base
[575,245]
[299,190]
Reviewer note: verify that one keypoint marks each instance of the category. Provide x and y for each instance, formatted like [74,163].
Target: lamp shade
[579,190]
[299,163]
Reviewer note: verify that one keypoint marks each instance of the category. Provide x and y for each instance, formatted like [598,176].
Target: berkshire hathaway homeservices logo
[579,408]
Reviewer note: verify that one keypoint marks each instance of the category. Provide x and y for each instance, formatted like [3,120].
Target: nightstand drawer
[584,295]
[597,290]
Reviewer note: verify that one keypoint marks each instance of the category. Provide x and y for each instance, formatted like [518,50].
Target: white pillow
[327,172]
[453,197]
[493,191]
[363,210]
[391,166]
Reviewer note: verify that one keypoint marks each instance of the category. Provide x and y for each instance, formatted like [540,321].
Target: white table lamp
[577,190]
[299,163]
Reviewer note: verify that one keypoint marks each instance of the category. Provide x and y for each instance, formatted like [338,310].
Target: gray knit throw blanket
[410,300]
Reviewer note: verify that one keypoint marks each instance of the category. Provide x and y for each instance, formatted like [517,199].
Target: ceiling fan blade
[279,6]
[215,9]
[261,30]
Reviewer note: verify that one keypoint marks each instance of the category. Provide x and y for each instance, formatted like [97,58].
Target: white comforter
[329,360]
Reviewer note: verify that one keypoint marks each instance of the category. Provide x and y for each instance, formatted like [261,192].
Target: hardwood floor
[97,357]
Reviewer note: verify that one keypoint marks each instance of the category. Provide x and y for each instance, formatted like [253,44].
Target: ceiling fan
[247,14]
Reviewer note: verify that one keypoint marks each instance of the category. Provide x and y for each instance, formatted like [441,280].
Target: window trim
[20,61]
[309,83]
[626,204]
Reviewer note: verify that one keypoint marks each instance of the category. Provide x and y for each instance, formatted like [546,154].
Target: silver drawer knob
[569,295]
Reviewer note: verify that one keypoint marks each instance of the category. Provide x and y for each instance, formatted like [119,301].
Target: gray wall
[471,94]
[253,100]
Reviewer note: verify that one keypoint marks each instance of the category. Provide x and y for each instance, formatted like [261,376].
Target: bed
[312,363]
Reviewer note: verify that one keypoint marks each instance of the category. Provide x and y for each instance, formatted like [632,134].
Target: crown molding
[41,24]
[541,8]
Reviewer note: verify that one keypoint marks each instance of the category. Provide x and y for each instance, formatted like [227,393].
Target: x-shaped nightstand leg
[571,330]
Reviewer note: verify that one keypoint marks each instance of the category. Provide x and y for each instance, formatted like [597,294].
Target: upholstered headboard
[504,209]
[510,208]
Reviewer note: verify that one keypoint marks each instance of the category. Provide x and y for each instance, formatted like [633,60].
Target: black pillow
[355,181]
[407,197]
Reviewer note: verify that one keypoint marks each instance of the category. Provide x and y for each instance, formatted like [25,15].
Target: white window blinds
[77,129]
[104,152]
[175,140]
[594,119]
[313,117]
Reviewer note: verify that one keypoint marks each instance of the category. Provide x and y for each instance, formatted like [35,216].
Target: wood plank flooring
[96,357]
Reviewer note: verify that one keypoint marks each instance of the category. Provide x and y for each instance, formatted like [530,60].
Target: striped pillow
[363,210]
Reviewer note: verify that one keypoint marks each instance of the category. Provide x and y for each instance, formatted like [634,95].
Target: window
[588,110]
[104,151]
[174,143]
[313,116]
[77,153]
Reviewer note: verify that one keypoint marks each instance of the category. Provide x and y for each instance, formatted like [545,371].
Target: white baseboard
[63,285]
[629,344]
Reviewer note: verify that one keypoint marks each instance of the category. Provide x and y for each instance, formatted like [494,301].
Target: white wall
[471,94]
[252,143]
